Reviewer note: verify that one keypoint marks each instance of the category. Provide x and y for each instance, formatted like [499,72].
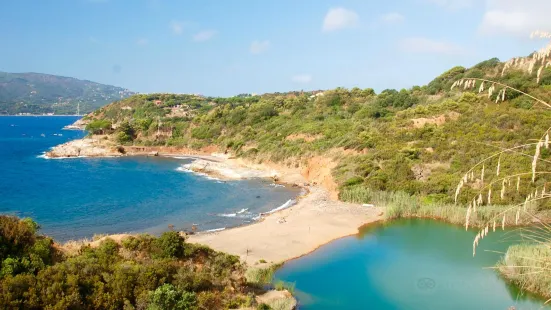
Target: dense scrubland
[138,272]
[417,141]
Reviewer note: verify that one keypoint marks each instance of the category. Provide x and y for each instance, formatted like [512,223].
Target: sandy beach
[316,219]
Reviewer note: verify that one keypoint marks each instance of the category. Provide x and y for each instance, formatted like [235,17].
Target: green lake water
[407,264]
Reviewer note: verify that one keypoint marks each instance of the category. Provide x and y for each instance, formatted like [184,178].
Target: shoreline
[317,218]
[35,115]
[291,233]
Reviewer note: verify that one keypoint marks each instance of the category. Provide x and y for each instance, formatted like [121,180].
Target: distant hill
[38,93]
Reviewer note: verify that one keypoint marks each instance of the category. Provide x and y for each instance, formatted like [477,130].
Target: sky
[224,48]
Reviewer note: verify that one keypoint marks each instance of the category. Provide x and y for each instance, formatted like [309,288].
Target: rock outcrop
[85,148]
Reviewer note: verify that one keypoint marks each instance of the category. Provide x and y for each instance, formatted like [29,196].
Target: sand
[314,221]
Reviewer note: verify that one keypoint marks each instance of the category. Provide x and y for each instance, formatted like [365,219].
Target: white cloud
[204,35]
[453,4]
[340,18]
[142,41]
[302,78]
[425,45]
[177,27]
[513,17]
[258,47]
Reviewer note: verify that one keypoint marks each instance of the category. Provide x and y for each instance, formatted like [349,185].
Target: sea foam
[215,230]
[185,169]
[284,206]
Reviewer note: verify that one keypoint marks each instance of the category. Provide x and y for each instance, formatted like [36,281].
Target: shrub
[168,297]
[170,244]
[99,126]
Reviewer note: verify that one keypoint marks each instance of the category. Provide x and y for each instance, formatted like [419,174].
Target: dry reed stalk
[539,74]
[505,86]
[458,190]
[535,161]
[498,165]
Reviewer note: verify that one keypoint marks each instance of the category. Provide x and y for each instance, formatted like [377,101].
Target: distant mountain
[37,93]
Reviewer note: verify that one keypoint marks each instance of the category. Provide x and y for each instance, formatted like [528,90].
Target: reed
[258,276]
[527,265]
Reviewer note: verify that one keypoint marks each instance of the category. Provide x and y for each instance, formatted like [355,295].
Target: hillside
[37,93]
[419,140]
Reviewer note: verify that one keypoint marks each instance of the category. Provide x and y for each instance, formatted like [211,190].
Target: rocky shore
[86,147]
[80,124]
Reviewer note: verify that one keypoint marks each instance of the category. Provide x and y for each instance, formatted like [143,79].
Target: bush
[168,297]
[170,244]
[99,126]
[150,273]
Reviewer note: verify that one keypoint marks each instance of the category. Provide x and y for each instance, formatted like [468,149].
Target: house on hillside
[158,102]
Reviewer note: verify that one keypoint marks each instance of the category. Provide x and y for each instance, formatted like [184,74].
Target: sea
[76,198]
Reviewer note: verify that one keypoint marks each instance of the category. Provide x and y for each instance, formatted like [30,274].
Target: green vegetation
[99,126]
[37,93]
[403,205]
[259,277]
[143,272]
[527,265]
[419,141]
[280,286]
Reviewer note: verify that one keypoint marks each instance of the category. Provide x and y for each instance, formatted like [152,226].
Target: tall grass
[288,303]
[402,205]
[528,266]
[261,276]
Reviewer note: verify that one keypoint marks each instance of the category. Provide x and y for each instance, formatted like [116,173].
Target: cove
[79,197]
[406,264]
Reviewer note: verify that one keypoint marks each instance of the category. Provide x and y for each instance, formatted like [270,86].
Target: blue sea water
[79,197]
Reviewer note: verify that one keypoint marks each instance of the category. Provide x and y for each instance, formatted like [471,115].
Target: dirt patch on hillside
[423,171]
[437,120]
[305,137]
[318,171]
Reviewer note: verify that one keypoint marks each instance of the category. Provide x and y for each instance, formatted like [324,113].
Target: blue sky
[224,48]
